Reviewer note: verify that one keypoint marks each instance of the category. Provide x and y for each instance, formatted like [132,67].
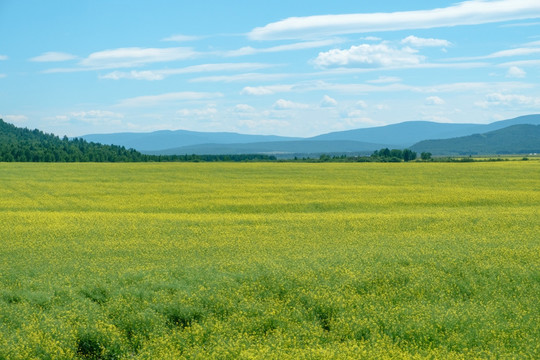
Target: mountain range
[410,134]
[515,139]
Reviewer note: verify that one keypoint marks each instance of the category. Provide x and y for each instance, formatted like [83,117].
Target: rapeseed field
[270,261]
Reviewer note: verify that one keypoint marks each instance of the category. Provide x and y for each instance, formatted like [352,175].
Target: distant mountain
[166,139]
[410,132]
[276,148]
[401,135]
[515,139]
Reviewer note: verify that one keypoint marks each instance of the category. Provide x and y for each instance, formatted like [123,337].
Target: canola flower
[270,261]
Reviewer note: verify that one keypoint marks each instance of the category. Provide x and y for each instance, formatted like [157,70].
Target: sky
[290,68]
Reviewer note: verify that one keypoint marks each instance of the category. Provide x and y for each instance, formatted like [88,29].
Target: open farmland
[270,260]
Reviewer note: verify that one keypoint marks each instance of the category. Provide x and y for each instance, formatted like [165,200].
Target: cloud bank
[465,13]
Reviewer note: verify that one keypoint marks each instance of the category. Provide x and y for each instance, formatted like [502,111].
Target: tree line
[24,145]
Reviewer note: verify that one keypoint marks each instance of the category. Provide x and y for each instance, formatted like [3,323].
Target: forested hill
[18,144]
[516,139]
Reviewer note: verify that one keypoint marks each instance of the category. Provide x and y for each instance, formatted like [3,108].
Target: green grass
[270,261]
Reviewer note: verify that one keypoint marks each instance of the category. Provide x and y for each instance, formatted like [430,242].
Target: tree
[408,155]
[425,156]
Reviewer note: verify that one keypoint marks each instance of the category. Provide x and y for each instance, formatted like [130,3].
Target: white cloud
[134,56]
[522,51]
[248,50]
[533,43]
[152,100]
[96,114]
[265,90]
[207,113]
[513,52]
[521,24]
[515,72]
[53,56]
[434,100]
[421,42]
[162,74]
[3,57]
[2,76]
[362,88]
[472,86]
[96,117]
[355,119]
[370,56]
[327,101]
[181,38]
[361,104]
[248,77]
[465,13]
[14,119]
[371,38]
[508,100]
[283,104]
[265,125]
[521,63]
[384,80]
[149,75]
[244,108]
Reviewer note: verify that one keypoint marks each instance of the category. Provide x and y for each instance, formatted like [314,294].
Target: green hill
[516,139]
[18,144]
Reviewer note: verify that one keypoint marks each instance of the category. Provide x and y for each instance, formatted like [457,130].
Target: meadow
[270,261]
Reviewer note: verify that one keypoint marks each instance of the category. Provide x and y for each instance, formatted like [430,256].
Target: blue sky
[296,68]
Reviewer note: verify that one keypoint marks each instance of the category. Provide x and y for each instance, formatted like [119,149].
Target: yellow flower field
[270,260]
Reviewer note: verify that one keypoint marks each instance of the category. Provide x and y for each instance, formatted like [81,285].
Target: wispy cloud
[243,108]
[207,113]
[508,100]
[182,38]
[465,13]
[96,117]
[283,104]
[422,42]
[152,100]
[266,90]
[3,57]
[434,100]
[533,43]
[53,56]
[163,73]
[327,101]
[521,51]
[516,72]
[248,50]
[511,52]
[520,24]
[14,119]
[384,80]
[135,56]
[248,77]
[523,63]
[128,57]
[364,88]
